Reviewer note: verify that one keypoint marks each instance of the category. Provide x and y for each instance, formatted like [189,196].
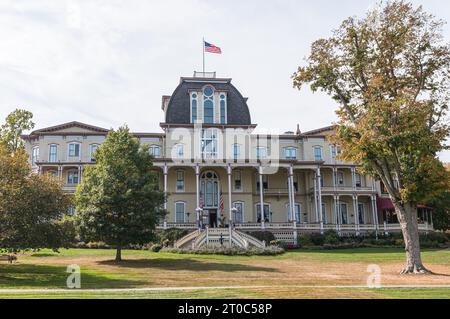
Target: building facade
[217,172]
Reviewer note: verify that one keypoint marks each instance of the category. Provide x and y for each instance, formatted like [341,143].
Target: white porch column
[290,210]
[261,196]
[165,171]
[80,170]
[60,175]
[334,178]
[197,193]
[336,212]
[316,214]
[292,201]
[353,171]
[229,170]
[319,191]
[356,213]
[375,213]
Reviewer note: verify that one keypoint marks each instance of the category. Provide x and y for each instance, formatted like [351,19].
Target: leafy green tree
[441,211]
[16,122]
[389,73]
[117,201]
[31,206]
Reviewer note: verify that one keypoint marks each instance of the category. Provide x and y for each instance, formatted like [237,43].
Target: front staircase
[217,237]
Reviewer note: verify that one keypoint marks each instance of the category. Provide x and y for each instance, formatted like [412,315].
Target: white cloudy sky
[109,62]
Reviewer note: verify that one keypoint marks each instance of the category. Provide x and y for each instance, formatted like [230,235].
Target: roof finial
[298,129]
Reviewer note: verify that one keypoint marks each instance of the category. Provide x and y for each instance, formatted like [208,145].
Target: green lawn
[281,276]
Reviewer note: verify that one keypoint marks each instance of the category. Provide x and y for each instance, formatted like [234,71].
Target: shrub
[331,237]
[305,240]
[169,236]
[440,238]
[265,235]
[156,247]
[317,239]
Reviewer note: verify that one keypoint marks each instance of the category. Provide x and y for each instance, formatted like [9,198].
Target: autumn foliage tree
[118,201]
[390,74]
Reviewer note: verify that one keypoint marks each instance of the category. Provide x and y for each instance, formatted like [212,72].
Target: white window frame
[340,174]
[265,204]
[235,173]
[152,149]
[211,98]
[91,152]
[258,153]
[213,138]
[35,155]
[242,203]
[197,108]
[298,218]
[361,204]
[179,147]
[220,108]
[290,149]
[182,180]
[319,147]
[324,213]
[184,211]
[340,212]
[357,175]
[236,155]
[77,174]
[69,157]
[50,153]
[265,179]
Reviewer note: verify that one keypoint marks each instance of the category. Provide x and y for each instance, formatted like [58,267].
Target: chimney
[298,129]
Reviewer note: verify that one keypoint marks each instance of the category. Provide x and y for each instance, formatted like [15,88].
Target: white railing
[250,239]
[238,239]
[184,240]
[200,240]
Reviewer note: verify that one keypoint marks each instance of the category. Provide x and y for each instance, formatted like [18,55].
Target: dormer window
[208,105]
[194,107]
[223,108]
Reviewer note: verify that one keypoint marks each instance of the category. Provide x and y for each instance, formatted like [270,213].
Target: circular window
[222,96]
[194,95]
[208,91]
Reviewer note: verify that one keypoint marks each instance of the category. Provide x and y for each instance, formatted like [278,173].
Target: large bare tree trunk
[119,254]
[407,216]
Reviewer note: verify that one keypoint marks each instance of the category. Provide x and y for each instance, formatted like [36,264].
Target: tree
[31,206]
[389,73]
[117,201]
[441,211]
[16,122]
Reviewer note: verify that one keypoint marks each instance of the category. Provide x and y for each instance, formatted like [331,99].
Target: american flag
[221,202]
[211,48]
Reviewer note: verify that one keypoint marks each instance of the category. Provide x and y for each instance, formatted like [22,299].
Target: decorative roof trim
[51,129]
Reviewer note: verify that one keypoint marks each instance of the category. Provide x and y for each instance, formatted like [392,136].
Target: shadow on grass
[44,276]
[184,264]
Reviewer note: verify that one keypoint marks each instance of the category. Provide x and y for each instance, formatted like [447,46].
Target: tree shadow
[184,264]
[45,276]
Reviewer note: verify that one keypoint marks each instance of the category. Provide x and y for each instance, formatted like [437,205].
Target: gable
[71,127]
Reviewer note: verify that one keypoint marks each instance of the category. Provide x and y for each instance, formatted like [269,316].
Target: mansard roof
[178,108]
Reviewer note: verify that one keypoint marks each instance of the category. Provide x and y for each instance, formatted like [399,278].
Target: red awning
[384,203]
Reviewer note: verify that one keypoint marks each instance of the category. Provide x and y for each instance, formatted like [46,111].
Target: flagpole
[203,50]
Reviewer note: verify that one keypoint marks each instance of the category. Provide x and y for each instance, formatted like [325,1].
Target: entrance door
[212,217]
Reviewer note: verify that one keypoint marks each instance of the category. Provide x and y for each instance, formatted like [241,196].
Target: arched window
[208,105]
[92,149]
[74,151]
[194,107]
[209,189]
[223,107]
[180,212]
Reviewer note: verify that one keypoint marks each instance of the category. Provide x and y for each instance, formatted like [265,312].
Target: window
[237,180]
[180,151]
[180,212]
[358,180]
[35,155]
[71,210]
[261,152]
[53,153]
[317,153]
[223,106]
[361,216]
[209,189]
[340,178]
[383,188]
[236,151]
[297,211]
[92,149]
[72,177]
[194,107]
[295,183]
[209,143]
[74,150]
[290,153]
[155,151]
[238,215]
[267,213]
[335,151]
[180,181]
[208,105]
[265,182]
[343,211]
[321,180]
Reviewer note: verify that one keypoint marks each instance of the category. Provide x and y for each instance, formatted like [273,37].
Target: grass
[282,276]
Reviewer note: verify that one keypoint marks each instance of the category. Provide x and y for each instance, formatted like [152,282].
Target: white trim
[290,148]
[321,152]
[204,98]
[270,209]
[363,211]
[73,171]
[340,212]
[299,204]
[220,108]
[90,150]
[243,209]
[33,158]
[184,211]
[176,181]
[234,180]
[68,151]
